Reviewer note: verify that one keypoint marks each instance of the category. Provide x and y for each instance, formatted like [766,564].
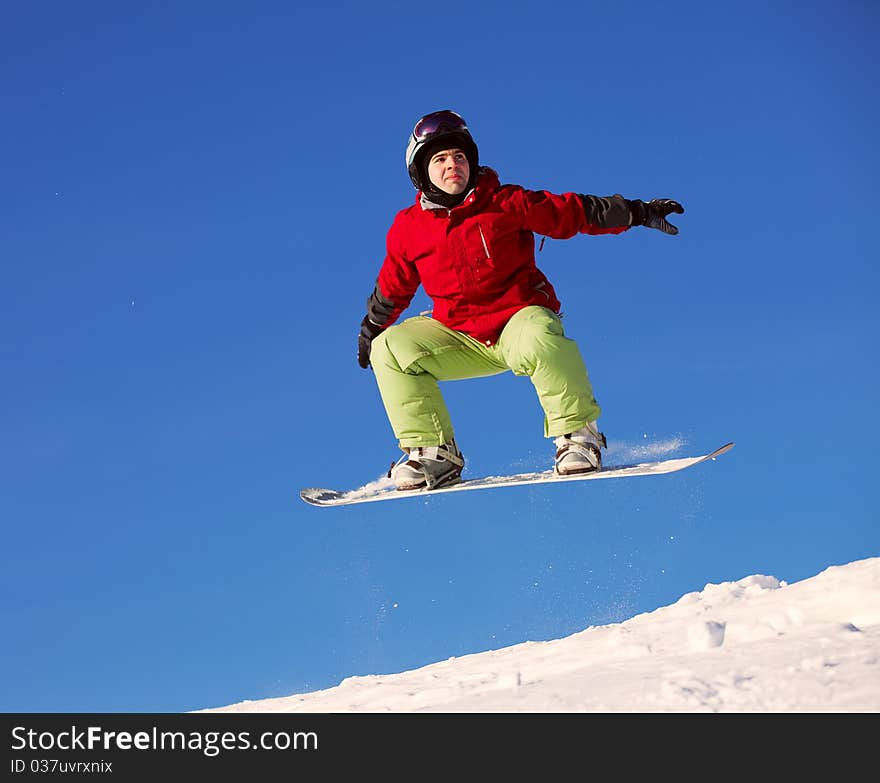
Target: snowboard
[384,489]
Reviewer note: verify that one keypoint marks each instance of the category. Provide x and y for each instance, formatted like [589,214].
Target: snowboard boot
[428,467]
[579,451]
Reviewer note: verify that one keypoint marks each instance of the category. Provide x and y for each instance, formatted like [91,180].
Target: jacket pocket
[541,288]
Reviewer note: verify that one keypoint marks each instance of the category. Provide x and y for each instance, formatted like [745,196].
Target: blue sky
[193,211]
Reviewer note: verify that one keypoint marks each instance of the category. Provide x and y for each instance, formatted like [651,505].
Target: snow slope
[754,645]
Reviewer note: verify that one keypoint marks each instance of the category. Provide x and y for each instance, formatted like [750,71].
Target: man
[469,241]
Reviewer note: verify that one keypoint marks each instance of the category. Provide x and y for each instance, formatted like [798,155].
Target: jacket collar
[487,183]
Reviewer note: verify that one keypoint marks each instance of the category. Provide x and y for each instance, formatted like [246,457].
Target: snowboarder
[469,241]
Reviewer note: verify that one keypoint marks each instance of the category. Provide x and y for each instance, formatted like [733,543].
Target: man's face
[449,170]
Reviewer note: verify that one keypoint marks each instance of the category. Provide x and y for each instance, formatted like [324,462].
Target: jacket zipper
[485,246]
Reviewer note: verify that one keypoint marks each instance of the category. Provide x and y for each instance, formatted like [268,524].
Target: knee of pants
[380,352]
[379,347]
[397,348]
[537,337]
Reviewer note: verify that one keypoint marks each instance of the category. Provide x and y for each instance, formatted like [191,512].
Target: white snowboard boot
[579,451]
[428,467]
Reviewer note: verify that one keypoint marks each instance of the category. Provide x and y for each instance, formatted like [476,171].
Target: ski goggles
[437,121]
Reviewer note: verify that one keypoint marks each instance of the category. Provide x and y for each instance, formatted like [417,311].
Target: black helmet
[438,130]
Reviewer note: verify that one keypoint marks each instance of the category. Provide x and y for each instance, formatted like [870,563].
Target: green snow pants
[410,358]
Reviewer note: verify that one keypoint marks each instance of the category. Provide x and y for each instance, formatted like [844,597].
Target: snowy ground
[755,645]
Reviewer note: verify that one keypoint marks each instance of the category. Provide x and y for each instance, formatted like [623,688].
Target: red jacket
[476,261]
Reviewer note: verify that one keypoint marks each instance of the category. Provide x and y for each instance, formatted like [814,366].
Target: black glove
[379,311]
[653,214]
[365,339]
